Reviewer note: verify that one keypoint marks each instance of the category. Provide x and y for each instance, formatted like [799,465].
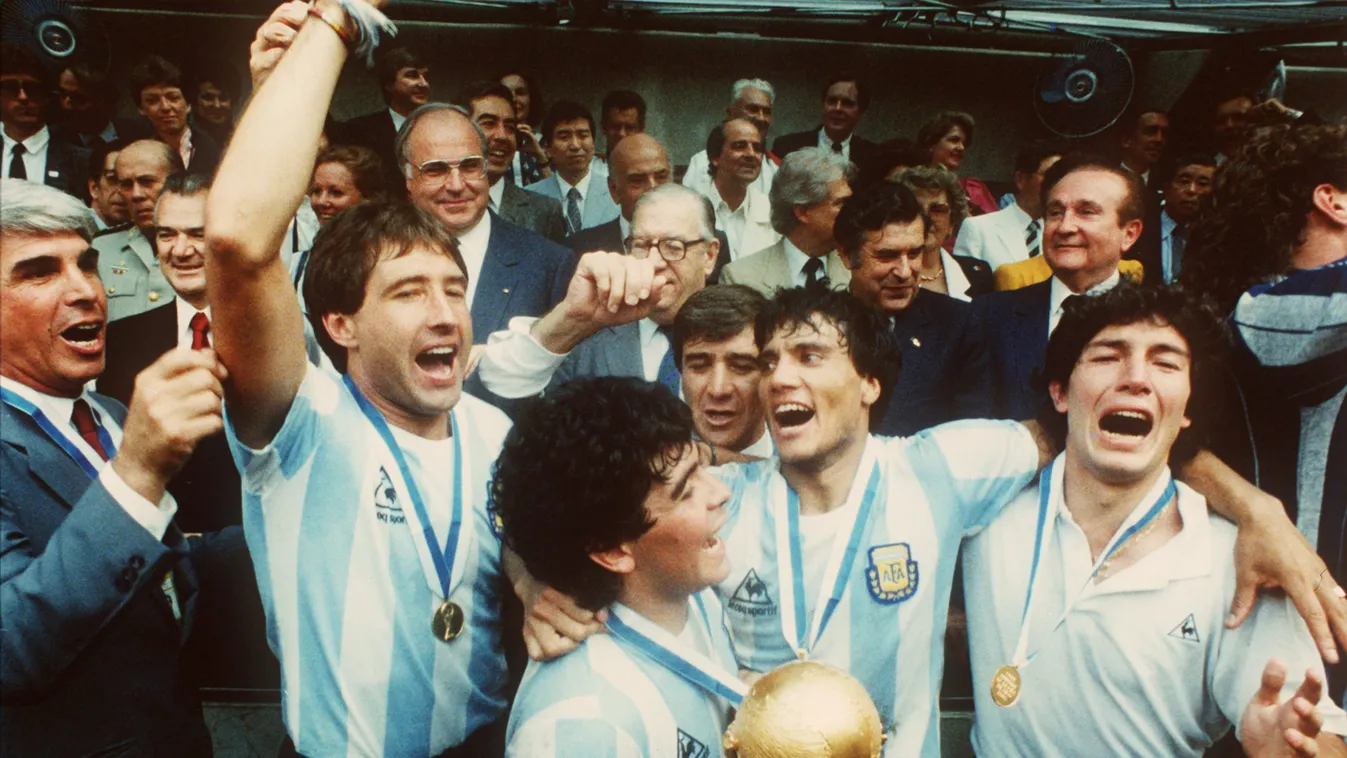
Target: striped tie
[573,209]
[1031,238]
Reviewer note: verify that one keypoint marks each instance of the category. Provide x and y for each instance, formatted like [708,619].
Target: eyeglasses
[12,88]
[937,209]
[471,167]
[669,249]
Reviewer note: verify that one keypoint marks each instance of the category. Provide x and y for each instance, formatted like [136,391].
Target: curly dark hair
[1256,214]
[574,474]
[1194,317]
[870,210]
[864,332]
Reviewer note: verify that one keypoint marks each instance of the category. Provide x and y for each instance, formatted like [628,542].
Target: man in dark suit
[89,104]
[157,89]
[492,109]
[1165,235]
[637,165]
[229,649]
[512,271]
[30,151]
[1092,211]
[881,234]
[845,100]
[97,588]
[404,85]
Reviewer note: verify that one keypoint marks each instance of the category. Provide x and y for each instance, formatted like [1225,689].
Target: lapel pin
[916,342]
[506,290]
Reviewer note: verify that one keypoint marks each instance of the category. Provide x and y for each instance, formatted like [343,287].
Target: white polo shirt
[1143,664]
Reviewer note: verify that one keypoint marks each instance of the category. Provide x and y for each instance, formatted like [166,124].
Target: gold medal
[447,623]
[1006,686]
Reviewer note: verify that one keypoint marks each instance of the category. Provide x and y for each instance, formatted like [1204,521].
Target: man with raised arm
[365,494]
[1109,573]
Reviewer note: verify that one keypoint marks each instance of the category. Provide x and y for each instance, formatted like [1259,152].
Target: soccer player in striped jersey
[603,495]
[365,501]
[1097,598]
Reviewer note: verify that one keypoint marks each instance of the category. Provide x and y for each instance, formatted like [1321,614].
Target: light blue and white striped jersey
[888,629]
[343,579]
[608,699]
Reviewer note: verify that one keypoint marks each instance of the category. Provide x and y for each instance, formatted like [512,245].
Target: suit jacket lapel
[46,460]
[495,284]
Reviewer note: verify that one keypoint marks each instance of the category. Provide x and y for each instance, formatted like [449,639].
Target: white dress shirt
[398,119]
[496,194]
[1060,292]
[749,227]
[827,144]
[185,313]
[698,175]
[956,283]
[582,186]
[1167,227]
[762,447]
[34,157]
[185,147]
[472,246]
[795,263]
[654,346]
[154,518]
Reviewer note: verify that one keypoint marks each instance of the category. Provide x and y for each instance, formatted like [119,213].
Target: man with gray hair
[514,272]
[96,583]
[809,190]
[750,99]
[674,228]
[127,265]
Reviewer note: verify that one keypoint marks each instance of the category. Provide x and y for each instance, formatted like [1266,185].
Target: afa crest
[493,515]
[892,575]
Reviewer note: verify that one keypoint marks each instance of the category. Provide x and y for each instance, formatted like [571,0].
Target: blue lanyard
[803,643]
[19,403]
[443,559]
[1045,486]
[704,673]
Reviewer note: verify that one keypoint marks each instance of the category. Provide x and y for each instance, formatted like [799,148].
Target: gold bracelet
[337,25]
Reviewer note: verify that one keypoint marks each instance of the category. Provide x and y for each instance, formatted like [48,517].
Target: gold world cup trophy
[805,710]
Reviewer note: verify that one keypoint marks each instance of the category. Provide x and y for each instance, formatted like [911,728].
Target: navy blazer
[90,649]
[67,168]
[608,238]
[946,372]
[864,153]
[1016,325]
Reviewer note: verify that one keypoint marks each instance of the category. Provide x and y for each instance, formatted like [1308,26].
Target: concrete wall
[686,79]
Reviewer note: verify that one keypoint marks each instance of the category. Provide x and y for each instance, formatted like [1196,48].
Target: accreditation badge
[892,574]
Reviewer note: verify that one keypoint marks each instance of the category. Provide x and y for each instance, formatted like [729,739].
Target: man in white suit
[1015,232]
[568,135]
[810,188]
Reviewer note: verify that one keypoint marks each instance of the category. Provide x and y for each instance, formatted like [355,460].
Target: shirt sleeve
[299,436]
[154,517]
[514,364]
[971,470]
[571,737]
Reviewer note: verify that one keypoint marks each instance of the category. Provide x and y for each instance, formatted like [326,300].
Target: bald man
[637,165]
[126,260]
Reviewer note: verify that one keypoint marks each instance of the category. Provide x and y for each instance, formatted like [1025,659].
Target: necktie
[837,148]
[573,209]
[1177,242]
[667,374]
[16,168]
[83,418]
[813,272]
[200,326]
[1031,238]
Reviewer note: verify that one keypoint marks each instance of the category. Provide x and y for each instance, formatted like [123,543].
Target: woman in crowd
[530,160]
[941,197]
[943,141]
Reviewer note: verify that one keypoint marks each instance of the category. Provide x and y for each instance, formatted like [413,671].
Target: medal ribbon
[790,571]
[1050,485]
[58,435]
[444,560]
[663,648]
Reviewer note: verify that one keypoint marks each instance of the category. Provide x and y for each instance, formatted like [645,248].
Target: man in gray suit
[97,590]
[568,135]
[672,235]
[810,188]
[127,264]
[492,109]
